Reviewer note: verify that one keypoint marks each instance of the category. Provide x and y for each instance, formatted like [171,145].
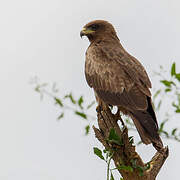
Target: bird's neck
[104,37]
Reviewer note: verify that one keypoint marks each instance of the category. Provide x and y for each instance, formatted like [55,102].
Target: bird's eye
[94,27]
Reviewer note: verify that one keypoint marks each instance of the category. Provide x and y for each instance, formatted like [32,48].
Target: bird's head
[98,29]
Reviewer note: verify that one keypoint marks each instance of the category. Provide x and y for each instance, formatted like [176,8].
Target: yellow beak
[85,32]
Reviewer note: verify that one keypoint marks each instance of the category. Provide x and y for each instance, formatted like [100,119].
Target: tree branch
[125,154]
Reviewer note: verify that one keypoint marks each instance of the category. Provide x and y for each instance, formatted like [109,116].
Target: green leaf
[131,140]
[87,128]
[140,142]
[177,107]
[177,139]
[159,105]
[81,114]
[162,125]
[98,152]
[156,94]
[173,69]
[126,168]
[112,177]
[80,101]
[58,101]
[37,88]
[70,96]
[177,110]
[167,83]
[178,76]
[147,166]
[60,116]
[141,170]
[165,133]
[167,89]
[105,151]
[174,131]
[91,104]
[153,105]
[114,138]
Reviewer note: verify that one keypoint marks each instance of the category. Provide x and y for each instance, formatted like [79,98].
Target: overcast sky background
[41,38]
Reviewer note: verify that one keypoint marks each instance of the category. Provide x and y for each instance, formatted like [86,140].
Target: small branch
[157,162]
[123,155]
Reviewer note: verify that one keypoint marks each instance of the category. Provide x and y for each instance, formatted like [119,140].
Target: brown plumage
[119,79]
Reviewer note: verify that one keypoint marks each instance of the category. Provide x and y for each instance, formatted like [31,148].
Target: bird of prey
[119,79]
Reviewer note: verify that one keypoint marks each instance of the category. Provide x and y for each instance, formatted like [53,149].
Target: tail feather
[147,129]
[146,124]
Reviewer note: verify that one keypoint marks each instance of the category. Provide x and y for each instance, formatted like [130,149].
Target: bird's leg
[101,105]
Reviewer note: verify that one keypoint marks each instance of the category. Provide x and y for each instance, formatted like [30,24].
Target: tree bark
[126,154]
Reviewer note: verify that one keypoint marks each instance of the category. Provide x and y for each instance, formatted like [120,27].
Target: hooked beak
[82,33]
[85,32]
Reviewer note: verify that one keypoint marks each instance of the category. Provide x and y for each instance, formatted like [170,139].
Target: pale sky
[41,38]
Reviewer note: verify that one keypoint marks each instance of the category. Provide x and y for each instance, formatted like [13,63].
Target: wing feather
[115,78]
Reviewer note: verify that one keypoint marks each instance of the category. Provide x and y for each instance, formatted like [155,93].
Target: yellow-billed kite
[119,79]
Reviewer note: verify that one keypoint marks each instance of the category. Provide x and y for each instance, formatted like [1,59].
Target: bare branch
[125,154]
